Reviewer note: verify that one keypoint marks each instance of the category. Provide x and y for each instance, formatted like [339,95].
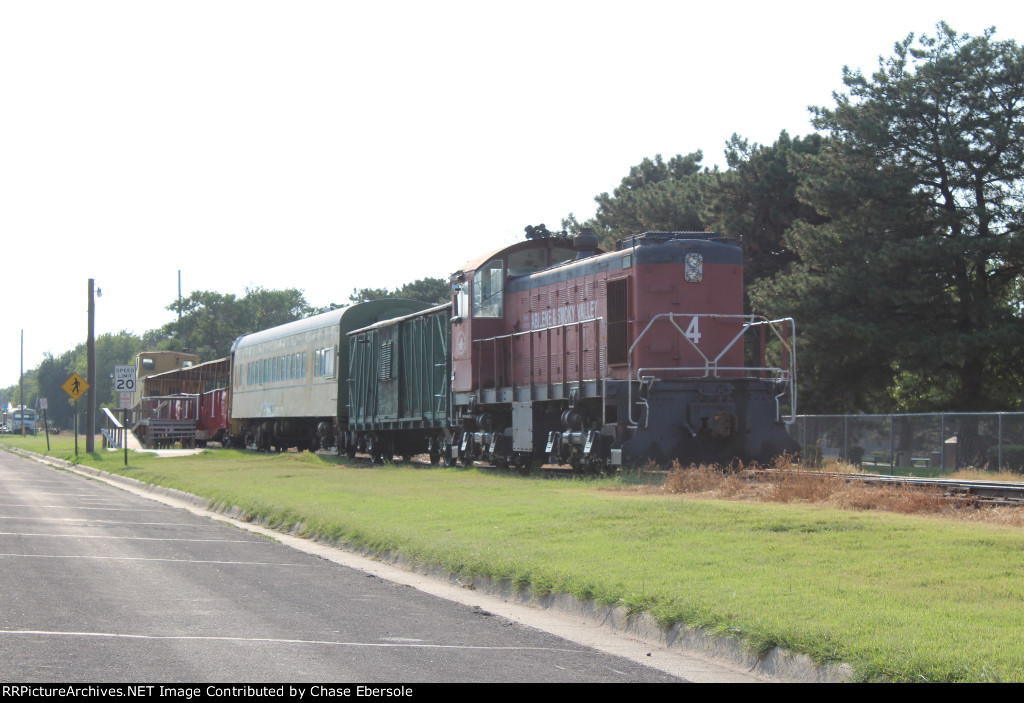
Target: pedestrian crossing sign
[75,386]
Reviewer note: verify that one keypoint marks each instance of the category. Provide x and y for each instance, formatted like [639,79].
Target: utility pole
[21,384]
[90,408]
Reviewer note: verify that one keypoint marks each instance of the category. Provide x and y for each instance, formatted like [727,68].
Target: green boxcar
[399,373]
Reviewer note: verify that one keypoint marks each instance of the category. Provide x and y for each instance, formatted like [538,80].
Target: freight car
[557,351]
[399,387]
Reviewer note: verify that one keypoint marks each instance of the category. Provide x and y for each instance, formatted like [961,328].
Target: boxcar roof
[349,316]
[393,320]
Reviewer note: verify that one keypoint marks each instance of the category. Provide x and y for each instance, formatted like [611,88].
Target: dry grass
[792,485]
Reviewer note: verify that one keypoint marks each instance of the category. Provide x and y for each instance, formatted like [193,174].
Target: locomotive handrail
[711,368]
[599,362]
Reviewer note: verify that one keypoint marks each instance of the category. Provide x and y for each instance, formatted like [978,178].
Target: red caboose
[598,358]
[187,405]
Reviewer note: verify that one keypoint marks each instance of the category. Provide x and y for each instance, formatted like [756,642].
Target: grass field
[898,597]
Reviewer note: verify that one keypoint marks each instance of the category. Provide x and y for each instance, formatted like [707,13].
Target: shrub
[812,457]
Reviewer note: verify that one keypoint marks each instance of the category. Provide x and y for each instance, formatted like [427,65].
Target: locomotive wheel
[575,461]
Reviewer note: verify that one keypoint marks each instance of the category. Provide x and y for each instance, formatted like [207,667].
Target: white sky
[328,146]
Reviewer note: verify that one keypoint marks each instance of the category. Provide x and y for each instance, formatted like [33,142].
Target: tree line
[892,235]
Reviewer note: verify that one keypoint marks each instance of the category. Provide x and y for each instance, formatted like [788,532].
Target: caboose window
[488,289]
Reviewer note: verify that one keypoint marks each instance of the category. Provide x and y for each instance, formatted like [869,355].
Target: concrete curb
[776,665]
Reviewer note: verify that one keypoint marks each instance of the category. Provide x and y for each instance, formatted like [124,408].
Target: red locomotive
[597,359]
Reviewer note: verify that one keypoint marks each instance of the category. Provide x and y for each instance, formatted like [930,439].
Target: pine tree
[909,294]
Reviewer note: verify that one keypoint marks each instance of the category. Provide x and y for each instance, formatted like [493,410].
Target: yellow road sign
[75,386]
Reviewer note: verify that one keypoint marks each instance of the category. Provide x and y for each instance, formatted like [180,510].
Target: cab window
[488,289]
[461,308]
[527,261]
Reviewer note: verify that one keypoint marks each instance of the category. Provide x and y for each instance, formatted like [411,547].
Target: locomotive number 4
[693,331]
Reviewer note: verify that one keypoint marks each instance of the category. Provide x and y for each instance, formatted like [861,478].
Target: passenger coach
[289,383]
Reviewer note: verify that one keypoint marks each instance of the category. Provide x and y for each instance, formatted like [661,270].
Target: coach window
[326,362]
[487,290]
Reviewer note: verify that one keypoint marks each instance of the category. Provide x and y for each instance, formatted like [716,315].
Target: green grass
[898,597]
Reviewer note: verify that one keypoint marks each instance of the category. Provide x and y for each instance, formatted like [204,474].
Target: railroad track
[989,492]
[1009,493]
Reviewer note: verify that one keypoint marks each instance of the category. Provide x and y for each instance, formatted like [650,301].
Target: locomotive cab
[479,309]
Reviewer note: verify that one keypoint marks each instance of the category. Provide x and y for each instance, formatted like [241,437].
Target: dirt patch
[791,485]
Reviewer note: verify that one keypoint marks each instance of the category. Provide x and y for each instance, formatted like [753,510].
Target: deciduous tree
[427,290]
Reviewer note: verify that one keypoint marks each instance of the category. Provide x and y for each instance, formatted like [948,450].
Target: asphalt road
[100,585]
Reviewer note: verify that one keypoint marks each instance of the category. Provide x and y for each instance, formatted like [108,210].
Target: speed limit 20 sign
[124,384]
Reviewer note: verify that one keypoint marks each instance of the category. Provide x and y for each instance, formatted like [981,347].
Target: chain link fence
[935,443]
